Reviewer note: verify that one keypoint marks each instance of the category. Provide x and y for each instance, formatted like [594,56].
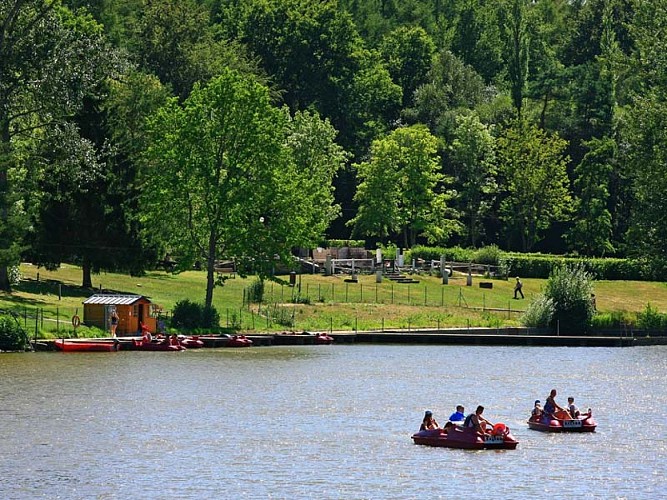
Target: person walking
[518,288]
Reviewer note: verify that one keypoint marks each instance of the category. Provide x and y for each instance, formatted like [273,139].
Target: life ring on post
[76,321]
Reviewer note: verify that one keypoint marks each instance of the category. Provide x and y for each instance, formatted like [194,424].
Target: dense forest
[245,128]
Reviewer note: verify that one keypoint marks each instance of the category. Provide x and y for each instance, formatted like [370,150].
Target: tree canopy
[532,125]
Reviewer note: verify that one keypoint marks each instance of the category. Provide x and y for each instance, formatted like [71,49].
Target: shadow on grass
[53,287]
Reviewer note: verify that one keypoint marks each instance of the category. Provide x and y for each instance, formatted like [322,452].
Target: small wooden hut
[132,310]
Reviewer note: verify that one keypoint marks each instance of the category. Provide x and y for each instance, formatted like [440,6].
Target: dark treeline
[535,125]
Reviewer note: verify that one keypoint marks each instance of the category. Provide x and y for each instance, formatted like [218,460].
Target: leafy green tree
[646,135]
[402,189]
[514,23]
[176,41]
[312,145]
[315,55]
[221,179]
[592,230]
[408,54]
[473,159]
[534,177]
[476,39]
[451,86]
[49,60]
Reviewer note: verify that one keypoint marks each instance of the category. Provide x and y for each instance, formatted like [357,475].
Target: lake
[325,422]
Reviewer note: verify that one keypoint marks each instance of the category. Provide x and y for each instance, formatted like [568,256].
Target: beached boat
[467,438]
[190,342]
[544,423]
[323,338]
[238,341]
[87,345]
[156,345]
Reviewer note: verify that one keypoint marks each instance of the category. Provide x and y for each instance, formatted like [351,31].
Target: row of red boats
[162,343]
[147,343]
[499,437]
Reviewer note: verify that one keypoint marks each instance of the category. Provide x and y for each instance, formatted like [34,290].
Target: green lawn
[319,303]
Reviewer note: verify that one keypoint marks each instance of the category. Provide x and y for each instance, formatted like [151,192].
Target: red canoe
[585,423]
[467,438]
[91,345]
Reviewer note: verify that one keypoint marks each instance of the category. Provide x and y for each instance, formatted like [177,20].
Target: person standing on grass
[518,288]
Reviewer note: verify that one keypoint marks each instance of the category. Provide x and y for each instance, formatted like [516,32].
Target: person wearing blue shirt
[458,415]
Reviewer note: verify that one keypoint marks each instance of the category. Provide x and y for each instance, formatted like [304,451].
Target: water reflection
[323,422]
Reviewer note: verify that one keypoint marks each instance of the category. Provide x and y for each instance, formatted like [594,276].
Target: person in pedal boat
[477,421]
[428,423]
[554,409]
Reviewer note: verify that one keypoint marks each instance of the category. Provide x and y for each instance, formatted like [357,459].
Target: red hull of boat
[239,341]
[87,346]
[466,439]
[585,424]
[191,343]
[323,338]
[139,345]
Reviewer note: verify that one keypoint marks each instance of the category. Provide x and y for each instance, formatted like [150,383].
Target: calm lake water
[325,422]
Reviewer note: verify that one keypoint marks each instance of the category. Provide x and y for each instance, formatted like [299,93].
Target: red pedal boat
[323,338]
[159,345]
[468,438]
[190,342]
[238,341]
[90,345]
[585,423]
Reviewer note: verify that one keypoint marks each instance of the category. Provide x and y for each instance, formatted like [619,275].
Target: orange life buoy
[76,321]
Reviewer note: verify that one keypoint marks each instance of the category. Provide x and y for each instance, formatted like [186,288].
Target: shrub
[255,291]
[190,315]
[540,312]
[14,275]
[210,319]
[488,255]
[570,288]
[454,254]
[12,336]
[651,319]
[613,320]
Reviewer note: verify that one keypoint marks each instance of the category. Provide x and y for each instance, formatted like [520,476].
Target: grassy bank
[316,302]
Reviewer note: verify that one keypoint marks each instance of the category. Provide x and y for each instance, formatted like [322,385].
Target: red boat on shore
[87,345]
[238,341]
[157,345]
[467,438]
[323,338]
[190,342]
[551,423]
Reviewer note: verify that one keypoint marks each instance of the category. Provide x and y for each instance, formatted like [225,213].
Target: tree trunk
[87,276]
[210,271]
[5,241]
[5,285]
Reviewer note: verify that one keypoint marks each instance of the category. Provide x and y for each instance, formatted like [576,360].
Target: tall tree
[592,230]
[646,134]
[221,180]
[473,158]
[451,86]
[476,39]
[513,18]
[534,177]
[402,189]
[49,60]
[408,54]
[315,55]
